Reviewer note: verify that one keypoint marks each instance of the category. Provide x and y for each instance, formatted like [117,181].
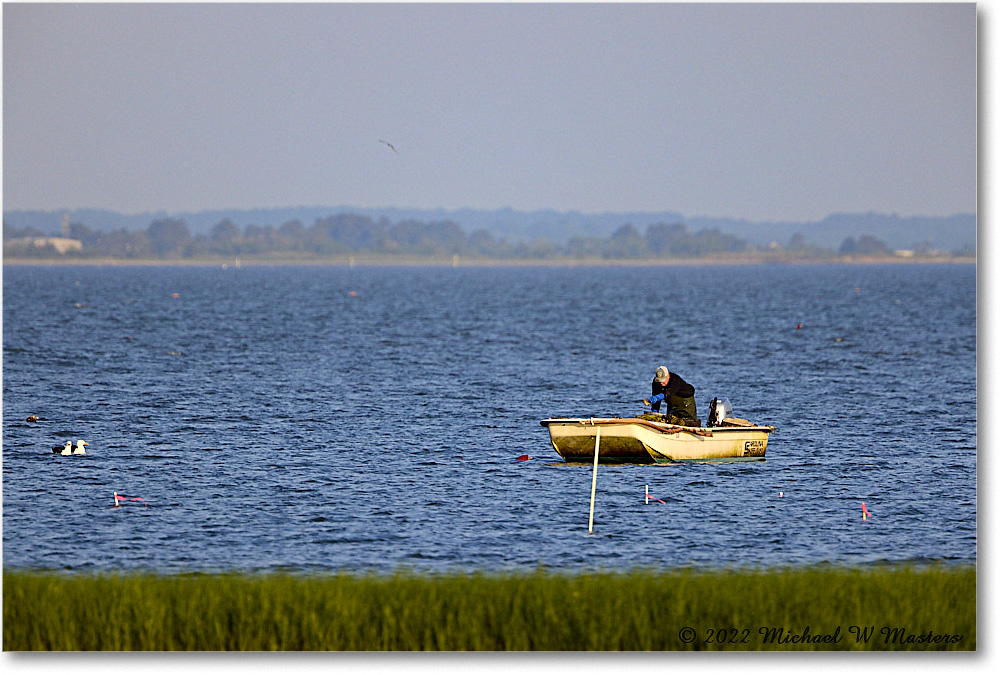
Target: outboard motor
[718,410]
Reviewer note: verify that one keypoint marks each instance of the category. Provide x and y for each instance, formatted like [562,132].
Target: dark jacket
[679,396]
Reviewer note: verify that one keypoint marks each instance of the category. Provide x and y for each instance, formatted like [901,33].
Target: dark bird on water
[391,146]
[32,418]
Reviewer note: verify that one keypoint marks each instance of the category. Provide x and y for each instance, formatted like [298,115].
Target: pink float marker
[865,515]
[120,498]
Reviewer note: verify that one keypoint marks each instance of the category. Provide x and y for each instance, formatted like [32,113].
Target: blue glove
[655,399]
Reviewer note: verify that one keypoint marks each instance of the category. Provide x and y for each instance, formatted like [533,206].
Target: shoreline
[458,261]
[817,608]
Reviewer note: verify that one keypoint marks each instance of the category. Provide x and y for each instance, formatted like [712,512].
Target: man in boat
[679,396]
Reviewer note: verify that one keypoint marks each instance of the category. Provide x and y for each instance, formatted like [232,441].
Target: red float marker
[798,327]
[649,496]
[353,294]
[523,458]
[120,498]
[177,295]
[865,515]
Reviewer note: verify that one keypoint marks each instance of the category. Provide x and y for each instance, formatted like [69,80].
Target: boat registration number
[754,448]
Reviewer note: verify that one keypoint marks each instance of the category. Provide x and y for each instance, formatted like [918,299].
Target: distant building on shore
[62,245]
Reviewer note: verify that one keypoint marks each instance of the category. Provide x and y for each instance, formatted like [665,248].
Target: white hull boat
[644,440]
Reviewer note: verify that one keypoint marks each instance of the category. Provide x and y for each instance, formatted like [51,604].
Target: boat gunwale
[656,426]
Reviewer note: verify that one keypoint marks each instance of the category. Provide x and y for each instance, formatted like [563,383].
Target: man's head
[662,374]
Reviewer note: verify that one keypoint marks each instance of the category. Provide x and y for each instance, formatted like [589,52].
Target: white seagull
[391,146]
[65,450]
[79,448]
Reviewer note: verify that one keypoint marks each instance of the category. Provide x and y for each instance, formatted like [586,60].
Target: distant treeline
[352,234]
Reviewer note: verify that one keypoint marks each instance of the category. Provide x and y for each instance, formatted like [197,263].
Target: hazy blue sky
[759,111]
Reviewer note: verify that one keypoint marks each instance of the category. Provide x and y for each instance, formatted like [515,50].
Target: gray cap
[662,374]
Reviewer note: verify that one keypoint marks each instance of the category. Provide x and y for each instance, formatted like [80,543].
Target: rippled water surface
[369,418]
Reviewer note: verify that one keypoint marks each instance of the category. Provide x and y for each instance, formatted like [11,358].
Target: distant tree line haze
[351,234]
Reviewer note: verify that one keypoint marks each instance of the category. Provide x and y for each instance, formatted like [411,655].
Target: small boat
[648,439]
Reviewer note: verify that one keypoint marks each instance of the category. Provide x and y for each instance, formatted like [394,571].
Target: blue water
[271,420]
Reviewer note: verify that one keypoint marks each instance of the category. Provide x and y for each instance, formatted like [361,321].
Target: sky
[765,112]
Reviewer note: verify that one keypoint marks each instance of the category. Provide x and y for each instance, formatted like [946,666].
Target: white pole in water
[647,494]
[593,484]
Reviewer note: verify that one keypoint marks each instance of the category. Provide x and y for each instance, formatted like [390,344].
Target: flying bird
[391,146]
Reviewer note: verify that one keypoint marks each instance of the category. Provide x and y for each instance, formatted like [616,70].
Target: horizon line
[441,209]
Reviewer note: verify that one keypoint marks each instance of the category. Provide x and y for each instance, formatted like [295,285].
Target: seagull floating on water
[69,450]
[391,146]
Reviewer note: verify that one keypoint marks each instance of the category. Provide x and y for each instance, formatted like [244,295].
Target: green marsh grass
[898,608]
